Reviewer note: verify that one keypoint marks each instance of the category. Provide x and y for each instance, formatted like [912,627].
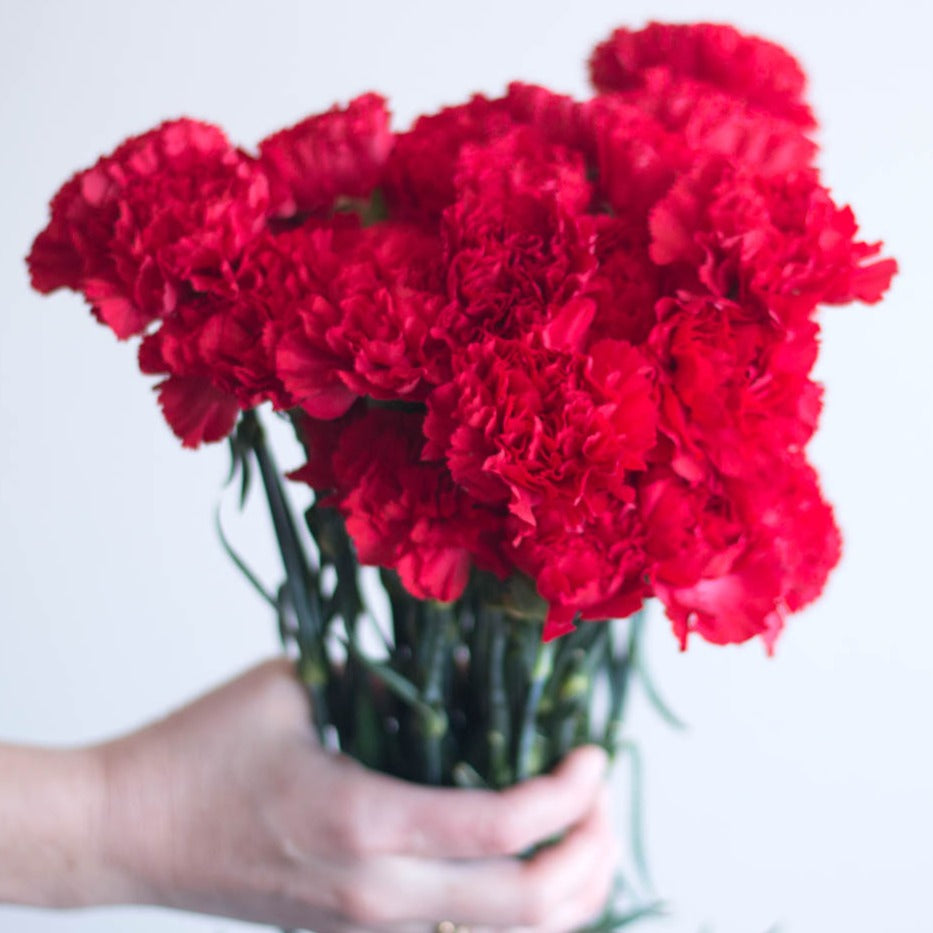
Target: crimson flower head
[340,153]
[165,217]
[758,72]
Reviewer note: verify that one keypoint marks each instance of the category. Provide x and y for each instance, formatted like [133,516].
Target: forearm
[51,805]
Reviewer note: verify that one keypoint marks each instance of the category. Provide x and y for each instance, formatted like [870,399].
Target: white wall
[802,793]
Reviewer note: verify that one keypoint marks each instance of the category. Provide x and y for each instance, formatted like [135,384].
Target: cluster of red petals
[163,219]
[402,510]
[566,339]
[753,70]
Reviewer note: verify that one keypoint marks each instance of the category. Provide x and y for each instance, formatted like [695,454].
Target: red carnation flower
[519,250]
[803,532]
[626,285]
[780,240]
[341,152]
[746,67]
[419,179]
[195,407]
[637,156]
[734,386]
[596,572]
[556,117]
[729,559]
[286,271]
[216,357]
[354,314]
[403,513]
[710,121]
[542,429]
[704,568]
[501,177]
[164,217]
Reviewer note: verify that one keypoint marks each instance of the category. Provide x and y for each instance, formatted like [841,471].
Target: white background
[802,792]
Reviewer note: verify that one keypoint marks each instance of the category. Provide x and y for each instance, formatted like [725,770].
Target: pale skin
[231,807]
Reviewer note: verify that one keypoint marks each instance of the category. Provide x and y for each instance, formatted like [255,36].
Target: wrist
[133,842]
[51,807]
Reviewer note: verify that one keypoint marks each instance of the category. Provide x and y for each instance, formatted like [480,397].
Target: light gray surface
[802,793]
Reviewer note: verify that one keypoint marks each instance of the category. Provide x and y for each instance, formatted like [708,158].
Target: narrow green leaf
[246,475]
[298,572]
[394,682]
[297,569]
[234,458]
[618,670]
[240,563]
[637,816]
[654,697]
[287,632]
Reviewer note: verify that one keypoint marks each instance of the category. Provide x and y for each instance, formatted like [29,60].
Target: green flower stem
[368,732]
[313,665]
[525,765]
[436,653]
[620,670]
[333,542]
[499,733]
[571,692]
[404,615]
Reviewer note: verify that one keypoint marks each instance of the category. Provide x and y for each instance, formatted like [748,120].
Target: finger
[395,817]
[588,888]
[502,892]
[589,903]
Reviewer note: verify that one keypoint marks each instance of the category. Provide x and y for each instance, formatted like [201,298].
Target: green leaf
[241,564]
[287,632]
[239,446]
[246,475]
[654,697]
[297,568]
[637,823]
[302,595]
[402,688]
[619,667]
[234,458]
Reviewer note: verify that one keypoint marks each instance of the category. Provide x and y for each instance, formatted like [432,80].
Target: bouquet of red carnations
[547,358]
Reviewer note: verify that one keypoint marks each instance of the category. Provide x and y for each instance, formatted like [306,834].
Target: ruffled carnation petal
[197,411]
[402,512]
[338,153]
[570,428]
[744,66]
[164,216]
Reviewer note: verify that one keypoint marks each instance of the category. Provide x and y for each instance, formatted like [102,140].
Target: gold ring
[448,926]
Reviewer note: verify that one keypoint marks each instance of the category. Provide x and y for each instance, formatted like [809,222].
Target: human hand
[231,807]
